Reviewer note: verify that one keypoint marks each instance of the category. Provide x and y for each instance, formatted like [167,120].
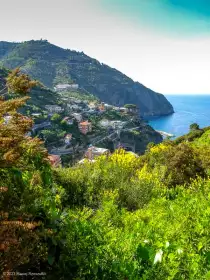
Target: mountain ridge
[52,65]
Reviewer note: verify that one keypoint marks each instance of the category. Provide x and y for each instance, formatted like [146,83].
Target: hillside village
[82,123]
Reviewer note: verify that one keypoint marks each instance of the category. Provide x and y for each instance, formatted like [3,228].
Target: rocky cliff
[51,65]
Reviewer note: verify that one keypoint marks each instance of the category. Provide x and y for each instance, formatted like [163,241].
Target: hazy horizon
[161,44]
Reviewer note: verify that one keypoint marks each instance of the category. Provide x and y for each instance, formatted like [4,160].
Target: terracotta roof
[54,158]
[85,123]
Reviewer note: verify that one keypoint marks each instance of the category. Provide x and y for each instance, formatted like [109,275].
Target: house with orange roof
[85,127]
[55,160]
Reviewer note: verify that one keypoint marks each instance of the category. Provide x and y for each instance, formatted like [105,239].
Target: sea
[188,109]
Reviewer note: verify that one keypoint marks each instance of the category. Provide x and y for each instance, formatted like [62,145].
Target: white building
[64,87]
[114,124]
[54,108]
[77,116]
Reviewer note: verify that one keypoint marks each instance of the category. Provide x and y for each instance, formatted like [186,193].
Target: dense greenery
[122,217]
[80,95]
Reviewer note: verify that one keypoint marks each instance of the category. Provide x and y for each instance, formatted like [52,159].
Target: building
[132,109]
[36,115]
[105,123]
[68,138]
[101,107]
[54,109]
[77,116]
[93,152]
[86,160]
[123,110]
[64,87]
[108,106]
[85,127]
[55,160]
[68,120]
[92,106]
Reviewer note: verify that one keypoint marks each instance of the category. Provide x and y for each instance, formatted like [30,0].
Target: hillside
[3,75]
[51,65]
[120,217]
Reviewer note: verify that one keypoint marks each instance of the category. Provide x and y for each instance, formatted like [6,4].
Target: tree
[56,118]
[194,126]
[13,125]
[23,167]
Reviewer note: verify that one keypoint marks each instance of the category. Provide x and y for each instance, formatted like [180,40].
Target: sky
[163,44]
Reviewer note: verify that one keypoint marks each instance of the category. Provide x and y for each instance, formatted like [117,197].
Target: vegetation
[121,217]
[194,126]
[80,95]
[130,106]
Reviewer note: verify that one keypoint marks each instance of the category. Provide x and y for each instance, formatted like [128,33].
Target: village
[82,127]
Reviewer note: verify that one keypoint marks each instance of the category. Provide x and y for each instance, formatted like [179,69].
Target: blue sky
[164,44]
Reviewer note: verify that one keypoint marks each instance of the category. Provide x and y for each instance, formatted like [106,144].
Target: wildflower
[179,251]
[167,244]
[158,256]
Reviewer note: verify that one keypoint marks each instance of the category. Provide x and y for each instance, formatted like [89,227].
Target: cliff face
[52,65]
[140,138]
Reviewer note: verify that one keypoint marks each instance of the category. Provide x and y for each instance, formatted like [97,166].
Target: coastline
[165,134]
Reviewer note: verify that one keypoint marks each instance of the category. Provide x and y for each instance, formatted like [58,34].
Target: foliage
[19,83]
[80,95]
[56,118]
[120,217]
[194,126]
[14,126]
[130,106]
[24,171]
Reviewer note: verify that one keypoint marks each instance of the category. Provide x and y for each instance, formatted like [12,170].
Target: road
[63,151]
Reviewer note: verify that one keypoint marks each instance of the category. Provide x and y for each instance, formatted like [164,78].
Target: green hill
[52,65]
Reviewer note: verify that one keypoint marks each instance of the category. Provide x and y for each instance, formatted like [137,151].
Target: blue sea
[188,109]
